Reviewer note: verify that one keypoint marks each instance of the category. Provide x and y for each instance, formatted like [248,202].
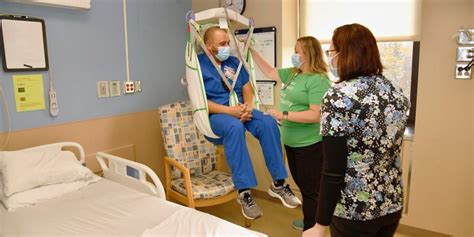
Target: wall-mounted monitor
[23,44]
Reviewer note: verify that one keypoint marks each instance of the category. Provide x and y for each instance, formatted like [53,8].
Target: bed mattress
[106,208]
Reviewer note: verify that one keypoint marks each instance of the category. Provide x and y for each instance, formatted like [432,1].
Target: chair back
[183,142]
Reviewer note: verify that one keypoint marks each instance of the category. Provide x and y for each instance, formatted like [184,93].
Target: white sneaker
[286,196]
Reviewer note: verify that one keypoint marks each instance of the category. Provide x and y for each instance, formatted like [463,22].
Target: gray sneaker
[286,196]
[249,208]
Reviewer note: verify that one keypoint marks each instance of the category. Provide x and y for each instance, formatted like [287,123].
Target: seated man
[230,123]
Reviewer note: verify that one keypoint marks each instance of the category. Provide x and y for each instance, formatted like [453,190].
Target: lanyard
[290,81]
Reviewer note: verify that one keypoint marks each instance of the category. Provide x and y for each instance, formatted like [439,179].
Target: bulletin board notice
[265,92]
[29,92]
[265,43]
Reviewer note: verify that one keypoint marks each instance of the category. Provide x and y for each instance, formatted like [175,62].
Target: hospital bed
[123,203]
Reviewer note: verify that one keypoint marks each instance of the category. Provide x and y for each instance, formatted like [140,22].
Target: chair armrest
[186,175]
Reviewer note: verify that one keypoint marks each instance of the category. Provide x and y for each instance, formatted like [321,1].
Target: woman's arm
[267,69]
[335,154]
[312,115]
[332,182]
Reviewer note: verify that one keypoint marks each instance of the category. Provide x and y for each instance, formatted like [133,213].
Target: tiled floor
[277,219]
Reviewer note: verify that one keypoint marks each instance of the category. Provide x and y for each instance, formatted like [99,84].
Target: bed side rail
[130,174]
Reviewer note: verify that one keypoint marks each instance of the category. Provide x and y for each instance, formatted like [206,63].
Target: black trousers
[306,166]
[384,226]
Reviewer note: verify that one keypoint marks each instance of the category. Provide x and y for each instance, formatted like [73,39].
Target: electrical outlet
[53,103]
[114,87]
[102,89]
[461,73]
[128,87]
[466,36]
[464,54]
[138,86]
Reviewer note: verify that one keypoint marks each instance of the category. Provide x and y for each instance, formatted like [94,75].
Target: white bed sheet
[192,223]
[109,209]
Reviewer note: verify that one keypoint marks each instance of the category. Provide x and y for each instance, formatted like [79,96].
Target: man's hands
[243,112]
[247,115]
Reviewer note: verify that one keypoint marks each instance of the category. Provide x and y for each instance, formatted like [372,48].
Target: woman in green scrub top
[304,86]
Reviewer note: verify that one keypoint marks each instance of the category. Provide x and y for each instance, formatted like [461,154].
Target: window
[400,60]
[394,23]
[389,20]
[397,59]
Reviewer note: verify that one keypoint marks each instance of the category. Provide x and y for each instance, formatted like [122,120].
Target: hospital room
[210,118]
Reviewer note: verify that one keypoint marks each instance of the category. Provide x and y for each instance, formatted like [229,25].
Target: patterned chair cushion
[210,185]
[183,142]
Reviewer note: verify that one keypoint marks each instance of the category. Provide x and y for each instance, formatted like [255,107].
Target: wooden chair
[193,173]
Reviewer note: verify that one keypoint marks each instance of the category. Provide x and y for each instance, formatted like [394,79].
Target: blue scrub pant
[232,134]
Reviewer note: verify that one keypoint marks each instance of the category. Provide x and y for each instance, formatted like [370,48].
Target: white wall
[441,192]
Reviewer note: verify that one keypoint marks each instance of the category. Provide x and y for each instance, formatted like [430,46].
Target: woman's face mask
[223,53]
[296,60]
[332,68]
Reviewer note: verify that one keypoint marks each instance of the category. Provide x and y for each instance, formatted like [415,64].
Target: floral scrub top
[371,113]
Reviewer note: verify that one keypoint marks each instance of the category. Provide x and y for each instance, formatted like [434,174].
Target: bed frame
[131,174]
[119,170]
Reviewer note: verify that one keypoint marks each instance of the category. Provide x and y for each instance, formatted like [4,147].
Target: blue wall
[88,46]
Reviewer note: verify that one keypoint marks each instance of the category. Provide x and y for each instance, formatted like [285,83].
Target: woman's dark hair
[358,54]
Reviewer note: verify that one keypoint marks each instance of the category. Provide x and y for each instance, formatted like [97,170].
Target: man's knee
[235,126]
[268,121]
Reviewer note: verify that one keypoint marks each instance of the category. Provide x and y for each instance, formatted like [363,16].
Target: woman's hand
[276,114]
[267,69]
[316,231]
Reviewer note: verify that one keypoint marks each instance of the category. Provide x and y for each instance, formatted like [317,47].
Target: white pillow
[37,195]
[24,170]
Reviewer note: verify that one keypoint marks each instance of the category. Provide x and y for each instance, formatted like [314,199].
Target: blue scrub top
[216,90]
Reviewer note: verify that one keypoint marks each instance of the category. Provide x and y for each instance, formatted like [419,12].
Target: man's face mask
[223,53]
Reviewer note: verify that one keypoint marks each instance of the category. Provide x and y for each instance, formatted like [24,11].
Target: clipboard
[23,44]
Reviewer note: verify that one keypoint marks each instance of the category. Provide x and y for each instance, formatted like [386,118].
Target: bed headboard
[59,147]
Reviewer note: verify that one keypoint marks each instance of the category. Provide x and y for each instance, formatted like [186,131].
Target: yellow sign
[29,92]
